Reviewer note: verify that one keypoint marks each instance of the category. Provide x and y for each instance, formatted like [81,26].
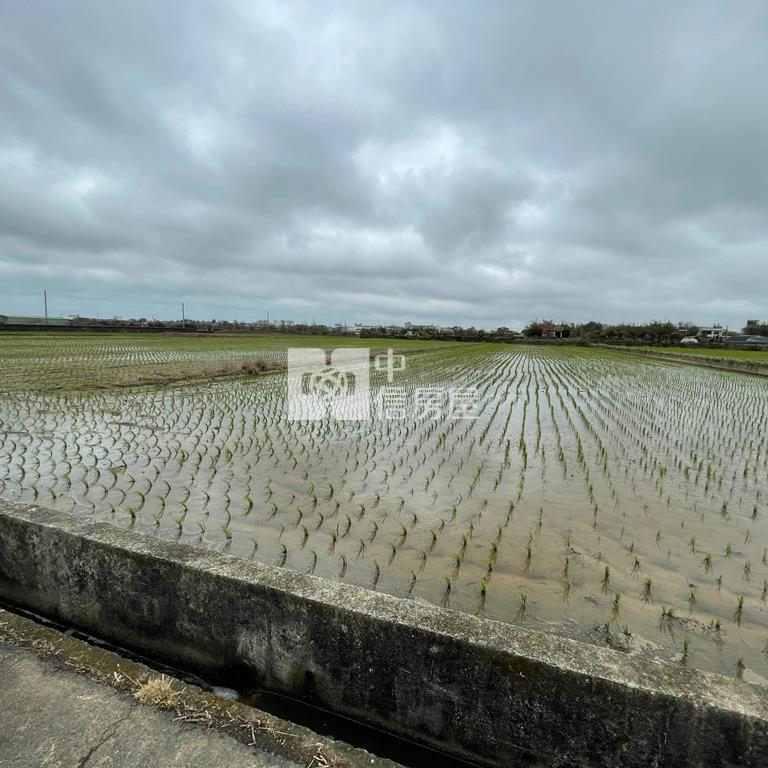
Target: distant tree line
[209,326]
[594,331]
[651,333]
[429,332]
[654,332]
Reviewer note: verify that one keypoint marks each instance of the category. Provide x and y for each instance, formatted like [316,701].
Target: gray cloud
[474,163]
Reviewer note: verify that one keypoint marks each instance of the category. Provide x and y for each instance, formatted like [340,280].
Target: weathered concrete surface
[247,726]
[56,719]
[505,695]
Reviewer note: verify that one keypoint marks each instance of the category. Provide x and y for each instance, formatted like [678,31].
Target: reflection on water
[584,476]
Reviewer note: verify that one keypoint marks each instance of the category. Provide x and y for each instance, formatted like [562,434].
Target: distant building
[756,327]
[713,333]
[20,320]
[550,330]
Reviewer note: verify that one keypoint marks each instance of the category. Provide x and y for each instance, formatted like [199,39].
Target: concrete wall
[498,693]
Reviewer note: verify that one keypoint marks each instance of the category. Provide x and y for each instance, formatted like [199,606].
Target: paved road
[51,718]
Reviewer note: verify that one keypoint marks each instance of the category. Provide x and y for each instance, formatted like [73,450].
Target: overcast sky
[480,163]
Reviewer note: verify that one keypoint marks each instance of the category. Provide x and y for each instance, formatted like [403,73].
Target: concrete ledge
[61,712]
[498,693]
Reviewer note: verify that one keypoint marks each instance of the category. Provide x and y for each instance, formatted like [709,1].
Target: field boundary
[702,361]
[493,692]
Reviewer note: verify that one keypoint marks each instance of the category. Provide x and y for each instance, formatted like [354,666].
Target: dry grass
[157,692]
[256,366]
[166,374]
[190,704]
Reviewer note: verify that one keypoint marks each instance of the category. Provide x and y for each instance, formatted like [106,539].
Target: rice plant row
[617,500]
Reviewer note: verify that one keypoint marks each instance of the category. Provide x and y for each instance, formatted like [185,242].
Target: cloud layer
[473,163]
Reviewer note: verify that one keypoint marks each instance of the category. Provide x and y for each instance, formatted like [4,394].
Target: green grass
[733,354]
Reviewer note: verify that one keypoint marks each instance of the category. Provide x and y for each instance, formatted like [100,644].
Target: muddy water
[572,462]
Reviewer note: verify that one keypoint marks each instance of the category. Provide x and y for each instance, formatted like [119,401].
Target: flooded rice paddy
[604,497]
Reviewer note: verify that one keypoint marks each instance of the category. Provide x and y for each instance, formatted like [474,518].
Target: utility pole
[183,316]
[45,303]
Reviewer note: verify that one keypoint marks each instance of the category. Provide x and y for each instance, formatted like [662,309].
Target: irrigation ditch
[477,689]
[341,741]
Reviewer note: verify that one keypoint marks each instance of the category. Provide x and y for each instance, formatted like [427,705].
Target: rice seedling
[717,628]
[644,467]
[647,595]
[667,620]
[686,650]
[521,609]
[605,584]
[528,557]
[615,615]
[739,613]
[691,597]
